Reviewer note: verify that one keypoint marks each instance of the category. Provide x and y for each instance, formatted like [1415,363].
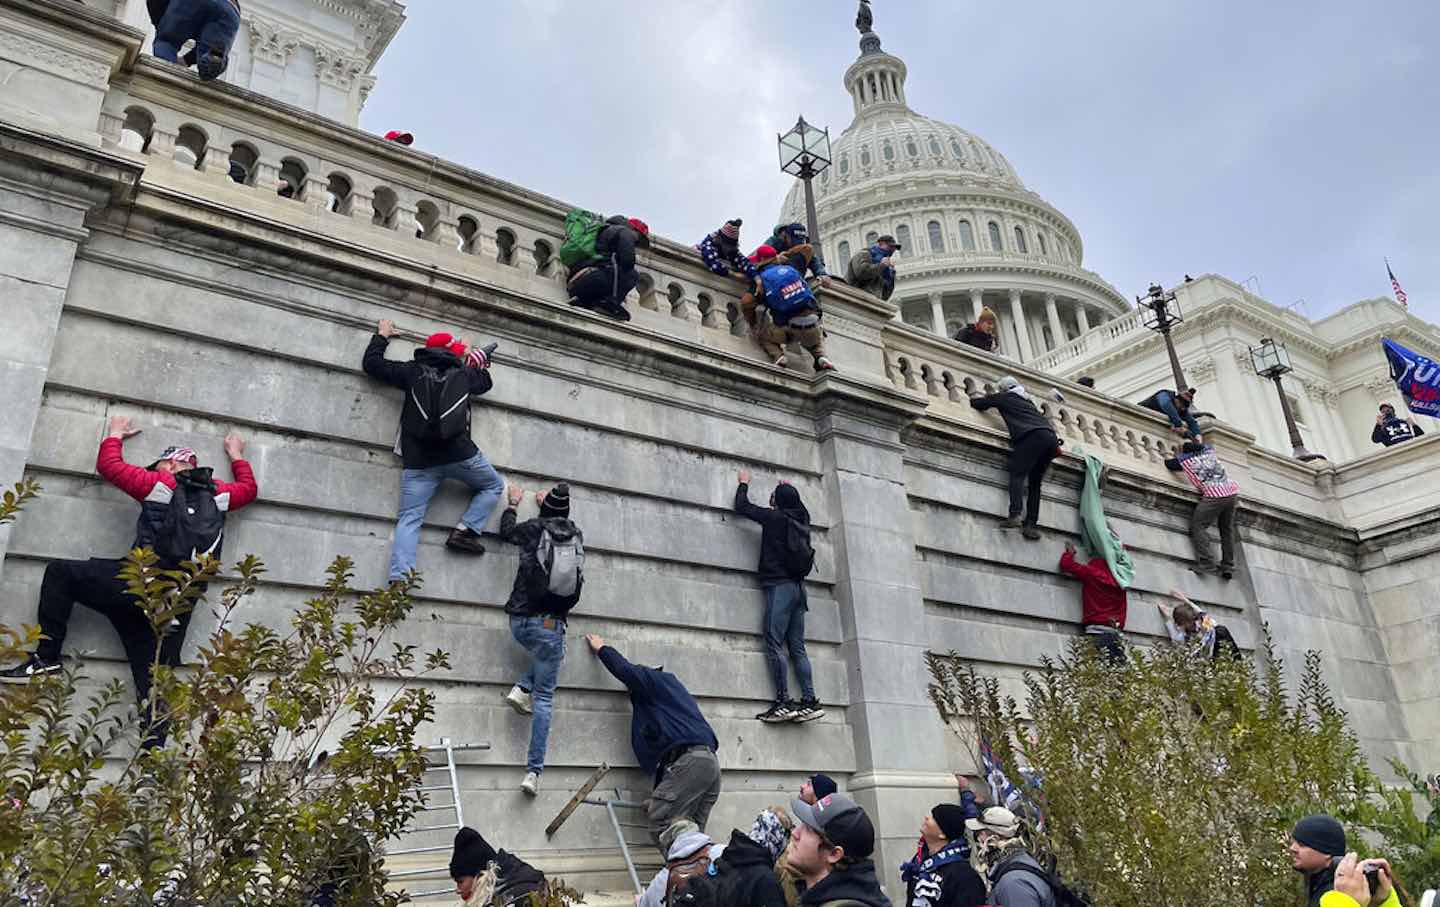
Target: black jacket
[526,536]
[617,243]
[1021,415]
[1319,883]
[744,877]
[1394,431]
[415,453]
[955,884]
[664,716]
[977,338]
[774,524]
[858,883]
[515,879]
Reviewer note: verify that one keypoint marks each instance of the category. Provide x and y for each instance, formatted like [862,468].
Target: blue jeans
[418,486]
[1168,407]
[212,23]
[547,651]
[785,608]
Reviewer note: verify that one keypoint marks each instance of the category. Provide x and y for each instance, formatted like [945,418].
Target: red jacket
[1101,598]
[153,488]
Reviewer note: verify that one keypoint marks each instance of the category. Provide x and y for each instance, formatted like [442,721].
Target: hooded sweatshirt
[664,714]
[1395,430]
[774,523]
[685,846]
[858,883]
[617,242]
[744,877]
[1018,887]
[526,536]
[1020,414]
[415,452]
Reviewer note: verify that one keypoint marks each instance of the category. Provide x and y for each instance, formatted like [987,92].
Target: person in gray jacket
[1016,878]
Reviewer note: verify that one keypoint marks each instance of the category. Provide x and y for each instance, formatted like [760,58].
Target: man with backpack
[785,309]
[547,586]
[673,742]
[1016,878]
[786,558]
[182,517]
[689,855]
[873,270]
[600,256]
[434,441]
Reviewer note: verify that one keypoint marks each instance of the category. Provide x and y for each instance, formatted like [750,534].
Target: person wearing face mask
[873,270]
[1033,445]
[1390,429]
[1016,878]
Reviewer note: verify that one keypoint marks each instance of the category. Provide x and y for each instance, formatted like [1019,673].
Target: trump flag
[1417,377]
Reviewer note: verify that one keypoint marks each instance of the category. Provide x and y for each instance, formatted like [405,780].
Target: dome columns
[1057,330]
[1082,318]
[1022,326]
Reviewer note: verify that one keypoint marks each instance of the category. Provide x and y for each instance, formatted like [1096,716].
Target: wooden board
[576,800]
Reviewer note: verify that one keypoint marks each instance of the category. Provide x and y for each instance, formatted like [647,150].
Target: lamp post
[804,154]
[1271,360]
[1160,311]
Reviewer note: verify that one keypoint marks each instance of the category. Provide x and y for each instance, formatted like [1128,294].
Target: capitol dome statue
[971,233]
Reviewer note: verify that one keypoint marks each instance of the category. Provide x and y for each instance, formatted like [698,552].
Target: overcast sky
[1295,142]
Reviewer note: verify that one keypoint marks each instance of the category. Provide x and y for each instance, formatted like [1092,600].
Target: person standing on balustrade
[211,24]
[1033,445]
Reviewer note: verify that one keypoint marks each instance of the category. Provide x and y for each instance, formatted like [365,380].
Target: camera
[1372,876]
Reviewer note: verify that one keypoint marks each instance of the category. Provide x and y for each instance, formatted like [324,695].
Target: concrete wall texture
[137,286]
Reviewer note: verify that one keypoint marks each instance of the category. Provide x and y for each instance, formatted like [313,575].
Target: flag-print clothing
[720,260]
[1205,472]
[153,489]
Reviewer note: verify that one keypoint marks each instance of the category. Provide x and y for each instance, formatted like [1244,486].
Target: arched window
[1020,241]
[902,236]
[995,243]
[888,151]
[937,238]
[967,236]
[935,146]
[1041,237]
[911,148]
[844,164]
[844,252]
[865,158]
[871,237]
[955,147]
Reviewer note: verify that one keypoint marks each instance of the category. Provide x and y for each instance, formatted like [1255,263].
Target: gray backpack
[560,560]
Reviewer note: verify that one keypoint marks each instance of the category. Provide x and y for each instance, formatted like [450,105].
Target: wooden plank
[576,800]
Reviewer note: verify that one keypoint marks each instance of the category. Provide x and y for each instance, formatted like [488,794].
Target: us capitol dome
[971,233]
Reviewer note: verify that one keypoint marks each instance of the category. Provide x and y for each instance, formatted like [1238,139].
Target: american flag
[1400,296]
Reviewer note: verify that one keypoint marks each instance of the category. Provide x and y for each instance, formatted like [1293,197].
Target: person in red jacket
[95,583]
[1102,603]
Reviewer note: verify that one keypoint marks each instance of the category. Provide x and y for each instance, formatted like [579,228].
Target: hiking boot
[614,310]
[530,784]
[519,700]
[824,365]
[808,710]
[781,362]
[463,538]
[1010,523]
[782,710]
[1031,532]
[30,667]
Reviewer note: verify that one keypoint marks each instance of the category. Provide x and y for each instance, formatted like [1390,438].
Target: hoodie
[1394,430]
[858,883]
[617,242]
[416,453]
[685,846]
[1020,414]
[774,526]
[664,716]
[526,601]
[1012,886]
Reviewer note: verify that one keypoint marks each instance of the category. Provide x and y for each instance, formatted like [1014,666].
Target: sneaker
[530,784]
[1030,532]
[30,667]
[618,312]
[1227,572]
[519,700]
[1010,523]
[824,365]
[463,538]
[808,710]
[781,362]
[782,710]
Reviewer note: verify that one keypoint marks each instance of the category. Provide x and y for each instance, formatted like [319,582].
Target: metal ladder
[583,798]
[426,788]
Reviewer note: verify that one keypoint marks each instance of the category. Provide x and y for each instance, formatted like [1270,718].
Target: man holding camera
[1316,846]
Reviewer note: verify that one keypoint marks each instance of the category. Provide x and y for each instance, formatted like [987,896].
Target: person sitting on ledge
[485,876]
[981,334]
[873,270]
[1177,408]
[785,309]
[211,24]
[790,236]
[720,252]
[603,282]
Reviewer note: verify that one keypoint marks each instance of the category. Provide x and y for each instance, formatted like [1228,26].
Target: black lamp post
[1271,360]
[804,154]
[1159,311]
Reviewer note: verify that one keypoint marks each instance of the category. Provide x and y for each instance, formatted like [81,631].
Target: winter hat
[823,785]
[472,854]
[396,135]
[640,226]
[996,819]
[731,230]
[987,314]
[769,832]
[951,819]
[178,454]
[441,339]
[763,253]
[1322,833]
[556,502]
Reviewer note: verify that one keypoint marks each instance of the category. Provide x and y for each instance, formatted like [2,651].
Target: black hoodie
[1021,415]
[774,523]
[744,877]
[414,452]
[526,536]
[617,242]
[858,883]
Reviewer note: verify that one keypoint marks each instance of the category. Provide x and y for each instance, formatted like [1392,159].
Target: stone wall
[197,306]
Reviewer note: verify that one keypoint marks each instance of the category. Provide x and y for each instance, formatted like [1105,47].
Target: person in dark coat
[1034,445]
[830,848]
[745,872]
[873,270]
[603,282]
[1316,845]
[672,741]
[981,334]
[212,24]
[485,876]
[427,462]
[785,603]
[1390,429]
[940,875]
[787,238]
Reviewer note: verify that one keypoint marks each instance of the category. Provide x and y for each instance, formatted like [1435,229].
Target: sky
[1288,145]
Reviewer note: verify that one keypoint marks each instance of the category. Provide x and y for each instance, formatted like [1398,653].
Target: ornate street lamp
[1159,311]
[804,154]
[1271,360]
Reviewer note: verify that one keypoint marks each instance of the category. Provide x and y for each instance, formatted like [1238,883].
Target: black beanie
[951,819]
[823,786]
[472,854]
[1321,833]
[557,502]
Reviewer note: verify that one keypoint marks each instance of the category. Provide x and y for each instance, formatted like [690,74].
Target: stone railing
[1381,491]
[1104,337]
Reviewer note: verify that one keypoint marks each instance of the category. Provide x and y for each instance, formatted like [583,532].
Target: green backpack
[582,228]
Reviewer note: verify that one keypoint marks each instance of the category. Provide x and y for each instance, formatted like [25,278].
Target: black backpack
[437,409]
[195,525]
[799,553]
[1064,895]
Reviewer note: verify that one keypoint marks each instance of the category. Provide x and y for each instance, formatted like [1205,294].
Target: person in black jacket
[429,462]
[1033,445]
[1391,429]
[785,603]
[603,283]
[981,334]
[485,876]
[831,848]
[672,742]
[941,874]
[744,875]
[538,613]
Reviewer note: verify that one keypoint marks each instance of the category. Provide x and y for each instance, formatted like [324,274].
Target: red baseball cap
[396,135]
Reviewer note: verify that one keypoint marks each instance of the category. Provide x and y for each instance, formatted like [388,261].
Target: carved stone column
[937,313]
[1022,327]
[977,302]
[1057,330]
[1082,317]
